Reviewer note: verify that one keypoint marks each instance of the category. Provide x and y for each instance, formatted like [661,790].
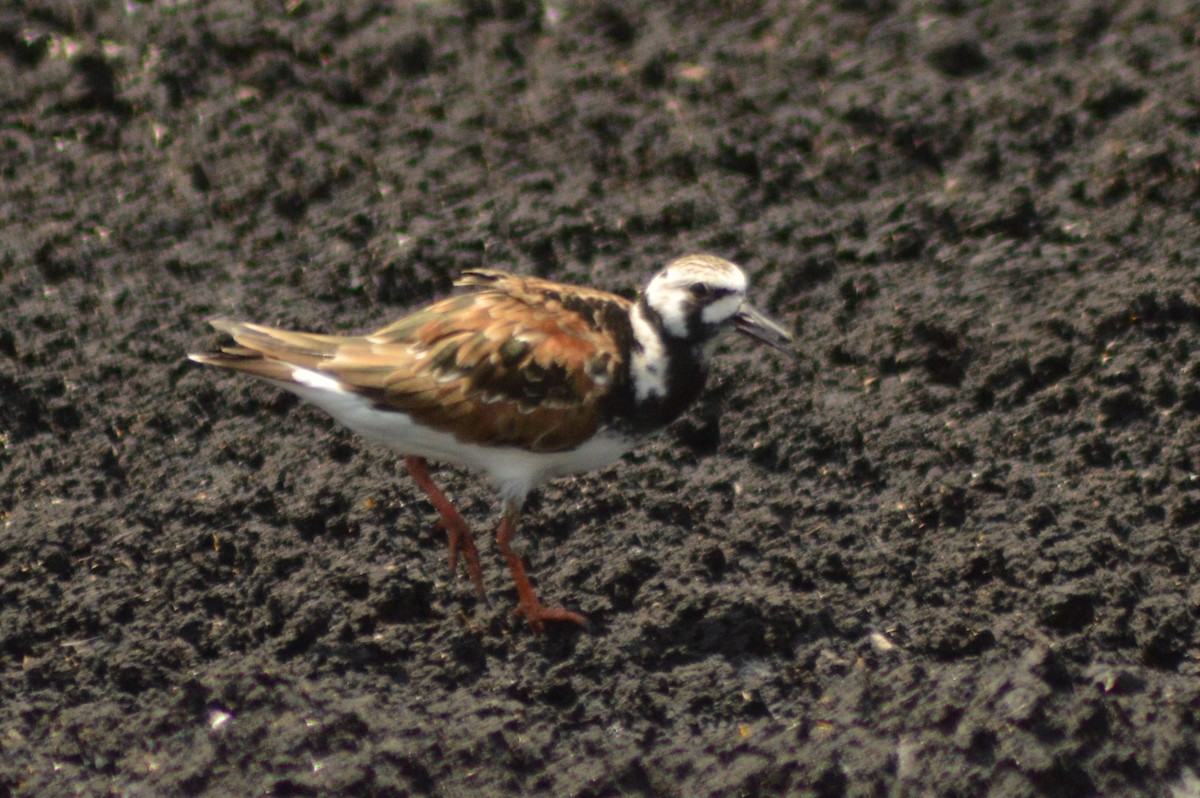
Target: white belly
[514,471]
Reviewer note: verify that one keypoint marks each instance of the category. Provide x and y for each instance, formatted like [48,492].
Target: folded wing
[522,362]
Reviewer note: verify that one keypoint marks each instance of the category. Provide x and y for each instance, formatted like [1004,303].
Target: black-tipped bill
[752,324]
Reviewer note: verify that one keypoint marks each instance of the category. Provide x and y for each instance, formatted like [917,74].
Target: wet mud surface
[951,548]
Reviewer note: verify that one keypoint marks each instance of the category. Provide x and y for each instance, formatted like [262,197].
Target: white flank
[649,361]
[514,471]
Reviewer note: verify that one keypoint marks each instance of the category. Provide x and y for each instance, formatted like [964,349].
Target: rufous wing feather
[523,362]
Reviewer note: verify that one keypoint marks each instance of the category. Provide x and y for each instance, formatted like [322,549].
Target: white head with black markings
[695,297]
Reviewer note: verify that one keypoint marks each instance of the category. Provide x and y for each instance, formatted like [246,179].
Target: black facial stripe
[652,317]
[707,294]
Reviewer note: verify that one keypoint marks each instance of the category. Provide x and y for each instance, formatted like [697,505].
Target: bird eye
[699,290]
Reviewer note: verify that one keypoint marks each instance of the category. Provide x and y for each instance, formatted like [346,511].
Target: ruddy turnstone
[523,378]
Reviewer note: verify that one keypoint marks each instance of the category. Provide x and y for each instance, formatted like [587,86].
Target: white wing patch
[315,379]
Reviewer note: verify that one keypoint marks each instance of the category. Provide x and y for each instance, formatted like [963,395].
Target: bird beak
[752,324]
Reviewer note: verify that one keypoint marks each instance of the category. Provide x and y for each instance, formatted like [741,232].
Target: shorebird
[522,378]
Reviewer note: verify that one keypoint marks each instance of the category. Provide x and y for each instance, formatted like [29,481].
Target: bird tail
[267,352]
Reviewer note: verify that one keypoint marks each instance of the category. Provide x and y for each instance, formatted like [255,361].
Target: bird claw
[460,539]
[537,615]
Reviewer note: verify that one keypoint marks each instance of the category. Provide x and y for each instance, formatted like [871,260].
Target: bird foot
[537,615]
[457,531]
[528,605]
[460,540]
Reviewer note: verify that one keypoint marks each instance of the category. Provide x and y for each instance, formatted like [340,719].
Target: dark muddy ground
[952,548]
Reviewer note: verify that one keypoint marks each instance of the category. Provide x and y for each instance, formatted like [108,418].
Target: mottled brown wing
[524,362]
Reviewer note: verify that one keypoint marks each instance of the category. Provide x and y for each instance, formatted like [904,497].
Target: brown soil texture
[951,548]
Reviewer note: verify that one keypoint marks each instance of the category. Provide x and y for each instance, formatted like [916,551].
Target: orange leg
[456,528]
[528,604]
